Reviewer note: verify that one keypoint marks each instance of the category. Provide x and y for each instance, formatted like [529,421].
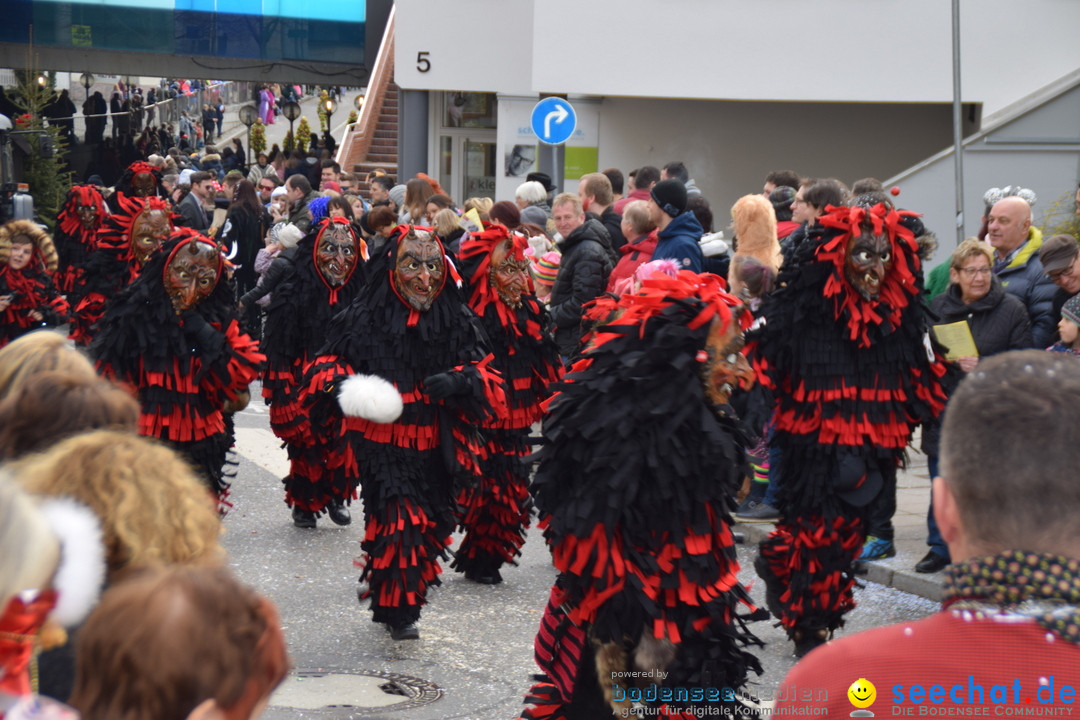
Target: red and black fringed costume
[185,368]
[112,265]
[35,301]
[852,374]
[74,238]
[410,460]
[495,514]
[139,179]
[297,322]
[634,488]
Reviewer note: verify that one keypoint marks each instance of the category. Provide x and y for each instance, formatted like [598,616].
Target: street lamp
[86,80]
[248,116]
[291,110]
[358,101]
[329,106]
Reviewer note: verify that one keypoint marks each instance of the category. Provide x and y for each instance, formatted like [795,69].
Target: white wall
[730,146]
[472,45]
[822,50]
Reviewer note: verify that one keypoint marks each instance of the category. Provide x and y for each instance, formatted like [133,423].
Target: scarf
[1044,587]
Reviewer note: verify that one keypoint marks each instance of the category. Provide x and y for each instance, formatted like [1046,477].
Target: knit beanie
[781,198]
[670,195]
[397,194]
[1071,310]
[317,208]
[546,267]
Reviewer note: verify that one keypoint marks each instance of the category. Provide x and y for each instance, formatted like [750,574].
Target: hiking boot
[877,548]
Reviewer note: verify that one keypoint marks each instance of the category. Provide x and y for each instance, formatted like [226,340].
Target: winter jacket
[998,321]
[1024,277]
[587,261]
[679,241]
[937,281]
[280,269]
[612,222]
[258,172]
[300,214]
[633,254]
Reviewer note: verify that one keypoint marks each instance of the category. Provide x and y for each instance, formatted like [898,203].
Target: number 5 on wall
[423,64]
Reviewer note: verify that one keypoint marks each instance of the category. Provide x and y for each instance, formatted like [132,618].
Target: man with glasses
[1060,257]
[266,187]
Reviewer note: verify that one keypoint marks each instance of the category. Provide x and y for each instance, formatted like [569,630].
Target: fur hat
[44,251]
[670,195]
[755,230]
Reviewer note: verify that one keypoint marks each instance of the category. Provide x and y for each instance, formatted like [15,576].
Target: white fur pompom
[81,574]
[370,397]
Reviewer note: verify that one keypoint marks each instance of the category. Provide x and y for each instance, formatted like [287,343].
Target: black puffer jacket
[587,260]
[999,321]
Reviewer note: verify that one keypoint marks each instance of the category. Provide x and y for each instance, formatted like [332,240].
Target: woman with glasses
[998,322]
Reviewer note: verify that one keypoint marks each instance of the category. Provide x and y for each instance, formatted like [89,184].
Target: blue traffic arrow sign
[553,120]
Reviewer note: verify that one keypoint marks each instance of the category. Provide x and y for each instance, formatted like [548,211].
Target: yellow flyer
[956,337]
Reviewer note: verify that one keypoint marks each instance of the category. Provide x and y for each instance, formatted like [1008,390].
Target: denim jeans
[933,534]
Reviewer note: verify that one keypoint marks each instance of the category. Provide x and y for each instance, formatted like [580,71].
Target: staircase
[382,153]
[371,143]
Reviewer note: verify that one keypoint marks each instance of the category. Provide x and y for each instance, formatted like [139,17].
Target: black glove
[447,384]
[201,333]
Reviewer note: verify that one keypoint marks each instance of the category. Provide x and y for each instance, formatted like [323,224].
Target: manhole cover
[319,689]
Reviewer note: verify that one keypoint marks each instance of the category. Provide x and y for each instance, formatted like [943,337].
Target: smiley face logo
[862,693]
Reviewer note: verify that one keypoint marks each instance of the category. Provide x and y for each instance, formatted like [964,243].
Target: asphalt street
[474,657]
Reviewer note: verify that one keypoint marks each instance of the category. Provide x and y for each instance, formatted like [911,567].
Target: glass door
[464,158]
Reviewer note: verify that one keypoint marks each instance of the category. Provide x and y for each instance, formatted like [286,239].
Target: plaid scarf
[1044,587]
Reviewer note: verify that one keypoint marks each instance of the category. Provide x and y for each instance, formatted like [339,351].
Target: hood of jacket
[685,224]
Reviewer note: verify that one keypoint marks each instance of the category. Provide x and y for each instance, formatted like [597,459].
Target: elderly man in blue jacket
[1016,263]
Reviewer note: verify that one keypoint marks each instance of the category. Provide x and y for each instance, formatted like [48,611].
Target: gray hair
[531,192]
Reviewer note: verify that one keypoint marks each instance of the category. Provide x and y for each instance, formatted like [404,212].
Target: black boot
[408,631]
[337,511]
[302,518]
[806,639]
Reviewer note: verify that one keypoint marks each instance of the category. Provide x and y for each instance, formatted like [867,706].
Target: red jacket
[634,253]
[949,664]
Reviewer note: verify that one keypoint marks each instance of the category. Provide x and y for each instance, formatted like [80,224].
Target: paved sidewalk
[912,501]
